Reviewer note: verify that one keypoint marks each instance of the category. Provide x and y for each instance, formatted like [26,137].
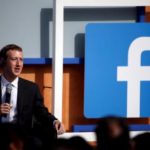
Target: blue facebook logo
[117,70]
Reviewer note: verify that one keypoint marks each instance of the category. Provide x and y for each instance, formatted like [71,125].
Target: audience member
[73,143]
[12,137]
[112,134]
[141,141]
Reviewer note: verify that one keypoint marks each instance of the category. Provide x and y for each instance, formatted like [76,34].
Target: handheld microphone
[8,95]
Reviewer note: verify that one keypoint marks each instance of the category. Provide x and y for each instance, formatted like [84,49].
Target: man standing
[26,103]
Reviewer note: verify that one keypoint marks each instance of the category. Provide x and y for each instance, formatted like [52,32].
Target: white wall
[28,23]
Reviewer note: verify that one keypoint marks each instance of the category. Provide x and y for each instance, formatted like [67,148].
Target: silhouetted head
[112,133]
[73,143]
[11,137]
[141,141]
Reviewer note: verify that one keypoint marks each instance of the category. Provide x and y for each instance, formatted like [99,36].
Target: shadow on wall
[79,45]
[78,19]
[45,18]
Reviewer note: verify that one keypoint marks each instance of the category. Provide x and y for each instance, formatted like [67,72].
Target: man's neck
[9,78]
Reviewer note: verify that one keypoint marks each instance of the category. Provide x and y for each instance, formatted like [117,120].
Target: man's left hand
[59,127]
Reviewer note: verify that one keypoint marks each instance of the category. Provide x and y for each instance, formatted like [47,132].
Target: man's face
[14,64]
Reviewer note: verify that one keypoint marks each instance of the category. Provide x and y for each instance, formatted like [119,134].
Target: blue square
[109,88]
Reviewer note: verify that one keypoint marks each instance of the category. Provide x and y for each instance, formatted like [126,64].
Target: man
[26,103]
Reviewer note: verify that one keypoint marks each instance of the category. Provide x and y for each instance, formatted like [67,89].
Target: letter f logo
[134,73]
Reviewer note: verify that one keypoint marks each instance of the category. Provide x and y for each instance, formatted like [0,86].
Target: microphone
[8,95]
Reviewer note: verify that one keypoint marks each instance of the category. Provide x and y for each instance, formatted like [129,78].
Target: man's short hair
[5,49]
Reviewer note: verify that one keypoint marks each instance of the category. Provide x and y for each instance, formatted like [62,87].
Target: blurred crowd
[112,133]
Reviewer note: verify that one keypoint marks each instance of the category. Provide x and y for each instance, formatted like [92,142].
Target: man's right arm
[44,116]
